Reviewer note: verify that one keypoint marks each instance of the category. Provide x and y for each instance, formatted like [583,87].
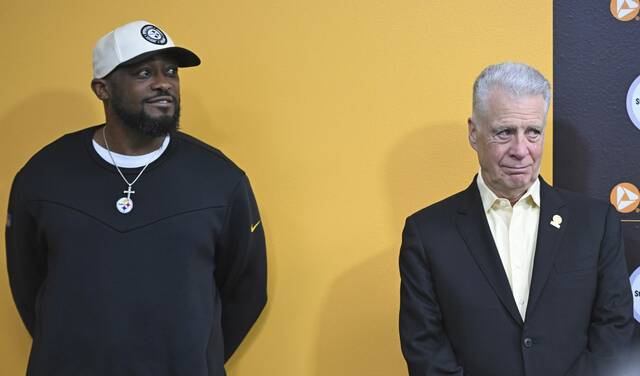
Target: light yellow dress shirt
[515,231]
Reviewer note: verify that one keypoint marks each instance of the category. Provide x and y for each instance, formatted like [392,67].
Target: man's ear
[100,88]
[473,134]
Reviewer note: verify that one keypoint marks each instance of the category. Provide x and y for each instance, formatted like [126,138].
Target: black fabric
[170,288]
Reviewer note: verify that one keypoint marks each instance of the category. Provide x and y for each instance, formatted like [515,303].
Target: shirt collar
[489,198]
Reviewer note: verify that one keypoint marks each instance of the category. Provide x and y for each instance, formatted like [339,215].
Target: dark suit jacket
[457,312]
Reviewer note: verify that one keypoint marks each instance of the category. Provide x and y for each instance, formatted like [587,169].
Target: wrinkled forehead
[526,107]
[504,99]
[508,94]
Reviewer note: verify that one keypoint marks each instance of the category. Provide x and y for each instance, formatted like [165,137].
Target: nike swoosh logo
[253,228]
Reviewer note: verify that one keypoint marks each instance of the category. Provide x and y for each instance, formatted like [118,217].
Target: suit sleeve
[241,268]
[611,327]
[425,345]
[26,256]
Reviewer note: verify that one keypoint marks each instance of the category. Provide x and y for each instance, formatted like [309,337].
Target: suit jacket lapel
[551,204]
[472,225]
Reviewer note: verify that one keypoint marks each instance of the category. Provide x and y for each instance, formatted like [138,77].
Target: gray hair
[516,79]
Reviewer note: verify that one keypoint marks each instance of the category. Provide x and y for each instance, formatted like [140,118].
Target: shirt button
[528,342]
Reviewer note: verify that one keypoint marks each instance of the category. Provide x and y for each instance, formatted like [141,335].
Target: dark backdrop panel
[595,144]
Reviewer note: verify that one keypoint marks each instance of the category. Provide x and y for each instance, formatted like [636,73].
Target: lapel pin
[556,221]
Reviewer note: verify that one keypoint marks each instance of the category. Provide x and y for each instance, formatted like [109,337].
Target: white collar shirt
[515,231]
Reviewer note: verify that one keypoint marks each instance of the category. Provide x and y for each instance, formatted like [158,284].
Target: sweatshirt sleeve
[26,255]
[241,268]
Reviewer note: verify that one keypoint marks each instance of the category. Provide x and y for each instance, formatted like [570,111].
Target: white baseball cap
[136,41]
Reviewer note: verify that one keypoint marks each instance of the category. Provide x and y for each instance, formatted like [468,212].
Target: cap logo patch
[153,35]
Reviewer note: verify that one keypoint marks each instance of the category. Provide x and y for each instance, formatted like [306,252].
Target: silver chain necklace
[125,204]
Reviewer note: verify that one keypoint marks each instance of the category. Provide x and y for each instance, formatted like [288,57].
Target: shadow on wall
[224,130]
[196,121]
[26,128]
[428,165]
[571,163]
[40,120]
[425,166]
[358,324]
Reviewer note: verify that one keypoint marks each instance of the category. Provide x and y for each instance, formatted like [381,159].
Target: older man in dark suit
[511,276]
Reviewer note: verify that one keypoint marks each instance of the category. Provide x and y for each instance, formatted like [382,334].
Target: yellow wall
[347,115]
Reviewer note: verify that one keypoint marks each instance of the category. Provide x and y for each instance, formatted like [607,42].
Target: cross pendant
[129,192]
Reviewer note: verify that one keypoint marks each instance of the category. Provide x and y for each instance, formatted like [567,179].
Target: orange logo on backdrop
[625,10]
[625,197]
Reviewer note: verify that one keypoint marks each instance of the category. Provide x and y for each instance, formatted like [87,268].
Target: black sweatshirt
[170,288]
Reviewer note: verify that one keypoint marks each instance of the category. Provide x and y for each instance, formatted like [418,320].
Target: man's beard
[144,124]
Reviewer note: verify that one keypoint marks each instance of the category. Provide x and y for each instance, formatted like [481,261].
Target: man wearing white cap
[133,248]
